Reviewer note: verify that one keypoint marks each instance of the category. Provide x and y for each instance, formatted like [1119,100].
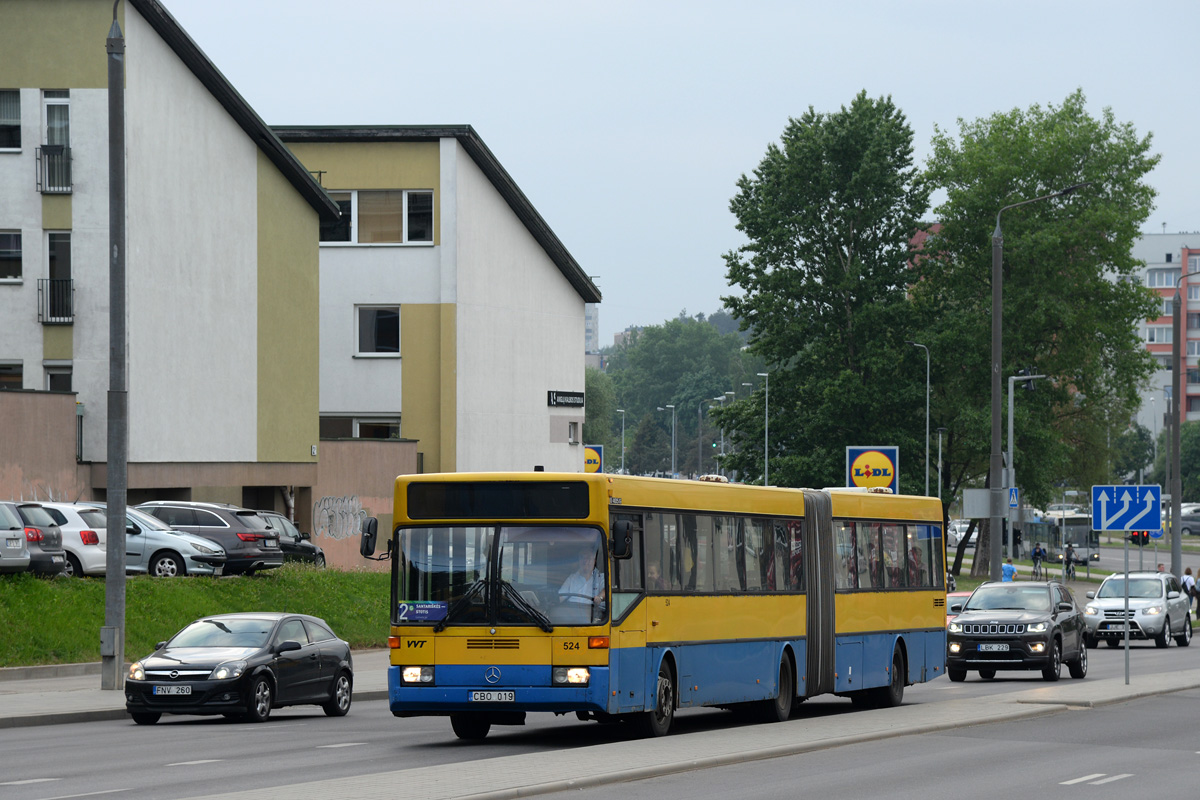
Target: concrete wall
[37,458]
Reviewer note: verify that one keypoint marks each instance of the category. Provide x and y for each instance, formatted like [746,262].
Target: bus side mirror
[366,545]
[622,539]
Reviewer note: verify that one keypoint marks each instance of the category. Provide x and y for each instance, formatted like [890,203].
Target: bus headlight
[416,674]
[570,675]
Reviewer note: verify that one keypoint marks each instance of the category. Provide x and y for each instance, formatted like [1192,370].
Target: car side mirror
[622,539]
[370,529]
[287,647]
[957,607]
[304,536]
[1090,595]
[1066,607]
[131,528]
[160,645]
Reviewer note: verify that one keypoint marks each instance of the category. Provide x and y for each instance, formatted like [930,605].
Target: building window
[1193,404]
[1193,321]
[1193,375]
[1193,350]
[1193,292]
[355,428]
[1158,334]
[10,119]
[11,375]
[1193,263]
[378,330]
[1164,362]
[391,216]
[58,379]
[10,254]
[1159,278]
[1169,303]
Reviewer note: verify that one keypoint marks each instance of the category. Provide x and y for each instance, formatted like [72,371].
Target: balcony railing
[56,301]
[54,169]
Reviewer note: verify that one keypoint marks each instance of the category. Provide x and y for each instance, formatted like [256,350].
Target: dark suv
[296,544]
[46,554]
[249,541]
[1017,625]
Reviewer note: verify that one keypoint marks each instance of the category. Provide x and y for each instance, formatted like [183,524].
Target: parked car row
[163,539]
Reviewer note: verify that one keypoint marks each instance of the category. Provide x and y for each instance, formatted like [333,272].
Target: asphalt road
[189,756]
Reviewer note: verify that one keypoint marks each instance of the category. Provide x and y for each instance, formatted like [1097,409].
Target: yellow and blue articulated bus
[623,598]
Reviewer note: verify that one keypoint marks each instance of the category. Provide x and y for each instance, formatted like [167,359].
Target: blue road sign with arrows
[1126,508]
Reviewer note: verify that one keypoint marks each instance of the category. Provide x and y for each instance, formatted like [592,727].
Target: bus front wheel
[470,727]
[657,722]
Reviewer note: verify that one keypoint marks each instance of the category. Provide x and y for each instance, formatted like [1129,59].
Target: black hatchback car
[250,543]
[1017,625]
[242,666]
[44,539]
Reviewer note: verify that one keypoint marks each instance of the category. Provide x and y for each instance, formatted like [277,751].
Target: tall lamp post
[662,408]
[621,411]
[1012,467]
[766,422]
[926,349]
[699,430]
[1176,482]
[939,472]
[996,468]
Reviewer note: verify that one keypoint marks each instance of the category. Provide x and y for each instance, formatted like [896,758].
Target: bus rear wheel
[470,727]
[657,722]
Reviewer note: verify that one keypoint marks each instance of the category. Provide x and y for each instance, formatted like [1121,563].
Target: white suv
[1158,610]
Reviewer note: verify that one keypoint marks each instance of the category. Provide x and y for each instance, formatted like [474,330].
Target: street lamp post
[939,472]
[699,437]
[766,422]
[662,408]
[996,467]
[1175,486]
[926,349]
[621,411]
[1012,467]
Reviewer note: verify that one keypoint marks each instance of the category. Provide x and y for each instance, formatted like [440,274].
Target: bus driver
[584,585]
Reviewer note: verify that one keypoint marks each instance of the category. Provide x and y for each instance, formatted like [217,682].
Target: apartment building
[451,314]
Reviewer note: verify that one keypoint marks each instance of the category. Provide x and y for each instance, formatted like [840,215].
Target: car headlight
[1091,611]
[137,672]
[416,674]
[1038,627]
[228,670]
[199,548]
[954,627]
[1152,611]
[570,675]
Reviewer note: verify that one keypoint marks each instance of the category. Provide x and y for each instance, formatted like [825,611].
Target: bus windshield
[542,575]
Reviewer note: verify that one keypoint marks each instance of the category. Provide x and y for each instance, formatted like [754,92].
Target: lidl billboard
[873,466]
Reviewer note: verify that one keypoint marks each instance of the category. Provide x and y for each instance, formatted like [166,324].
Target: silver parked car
[151,547]
[14,551]
[1158,610]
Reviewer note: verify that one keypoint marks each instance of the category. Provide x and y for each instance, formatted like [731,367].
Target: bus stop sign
[1126,508]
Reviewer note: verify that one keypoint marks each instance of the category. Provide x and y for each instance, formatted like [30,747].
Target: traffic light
[1029,384]
[1139,538]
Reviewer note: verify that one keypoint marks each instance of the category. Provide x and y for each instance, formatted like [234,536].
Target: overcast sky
[627,124]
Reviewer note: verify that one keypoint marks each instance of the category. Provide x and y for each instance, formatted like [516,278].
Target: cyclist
[1069,560]
[1038,554]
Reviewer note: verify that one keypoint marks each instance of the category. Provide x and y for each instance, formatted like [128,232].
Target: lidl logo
[870,467]
[593,458]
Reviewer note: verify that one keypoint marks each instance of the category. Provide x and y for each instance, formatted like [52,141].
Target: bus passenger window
[845,573]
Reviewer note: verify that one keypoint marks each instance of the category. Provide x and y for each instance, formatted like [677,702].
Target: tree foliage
[829,213]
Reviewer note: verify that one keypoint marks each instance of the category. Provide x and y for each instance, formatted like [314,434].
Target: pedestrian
[1161,568]
[1189,586]
[1010,572]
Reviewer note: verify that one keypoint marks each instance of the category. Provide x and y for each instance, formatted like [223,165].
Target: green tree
[1132,451]
[1072,299]
[602,423]
[829,213]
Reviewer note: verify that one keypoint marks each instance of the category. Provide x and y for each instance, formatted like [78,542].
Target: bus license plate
[493,697]
[993,648]
[182,689]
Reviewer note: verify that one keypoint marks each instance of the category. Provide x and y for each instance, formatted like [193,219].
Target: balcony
[54,169]
[56,301]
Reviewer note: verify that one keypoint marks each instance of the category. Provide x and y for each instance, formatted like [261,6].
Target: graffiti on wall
[338,517]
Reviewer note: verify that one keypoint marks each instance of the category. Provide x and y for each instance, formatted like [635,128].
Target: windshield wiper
[460,604]
[520,602]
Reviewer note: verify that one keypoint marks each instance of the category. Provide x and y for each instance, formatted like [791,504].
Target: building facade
[221,256]
[450,312]
[1169,257]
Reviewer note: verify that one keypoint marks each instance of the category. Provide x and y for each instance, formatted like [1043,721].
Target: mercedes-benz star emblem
[492,675]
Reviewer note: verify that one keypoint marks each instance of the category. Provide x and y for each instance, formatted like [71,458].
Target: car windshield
[241,632]
[1009,596]
[1138,587]
[473,575]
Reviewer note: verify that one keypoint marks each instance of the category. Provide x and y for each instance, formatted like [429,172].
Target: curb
[49,671]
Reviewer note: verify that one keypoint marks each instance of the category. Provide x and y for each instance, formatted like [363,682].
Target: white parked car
[151,546]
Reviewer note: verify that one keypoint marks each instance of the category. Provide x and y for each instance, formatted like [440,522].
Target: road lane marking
[1084,778]
[1113,778]
[344,744]
[89,794]
[190,763]
[28,781]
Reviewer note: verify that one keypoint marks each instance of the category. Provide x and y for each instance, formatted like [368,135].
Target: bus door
[819,556]
[629,658]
